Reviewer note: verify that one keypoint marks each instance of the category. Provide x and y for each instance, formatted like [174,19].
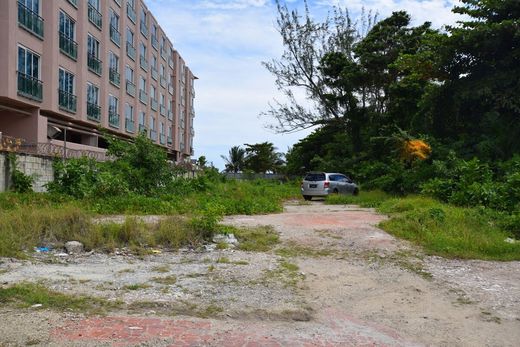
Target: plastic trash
[42,249]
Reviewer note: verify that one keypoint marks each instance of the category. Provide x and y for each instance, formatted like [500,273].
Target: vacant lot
[333,279]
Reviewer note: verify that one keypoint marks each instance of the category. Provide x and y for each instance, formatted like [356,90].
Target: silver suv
[324,183]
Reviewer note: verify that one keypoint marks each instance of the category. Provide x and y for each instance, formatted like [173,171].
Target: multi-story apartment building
[69,68]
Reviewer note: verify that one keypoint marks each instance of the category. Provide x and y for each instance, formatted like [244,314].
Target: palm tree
[236,159]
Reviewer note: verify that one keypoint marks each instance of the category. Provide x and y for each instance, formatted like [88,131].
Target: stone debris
[230,239]
[74,247]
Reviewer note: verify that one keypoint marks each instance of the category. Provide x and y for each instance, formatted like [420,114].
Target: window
[92,94]
[129,73]
[28,17]
[144,21]
[152,123]
[94,64]
[113,65]
[115,36]
[66,97]
[153,132]
[142,83]
[94,16]
[94,3]
[93,109]
[142,49]
[130,49]
[131,3]
[113,108]
[153,92]
[129,36]
[142,118]
[67,34]
[163,100]
[66,81]
[29,84]
[129,118]
[143,60]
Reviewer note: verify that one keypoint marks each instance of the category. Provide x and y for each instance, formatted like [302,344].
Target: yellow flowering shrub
[415,149]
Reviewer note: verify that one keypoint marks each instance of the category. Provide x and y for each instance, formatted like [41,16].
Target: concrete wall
[40,168]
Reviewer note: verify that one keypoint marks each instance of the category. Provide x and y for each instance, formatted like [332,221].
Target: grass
[161,269]
[441,229]
[292,250]
[372,198]
[168,280]
[448,231]
[136,286]
[28,294]
[258,239]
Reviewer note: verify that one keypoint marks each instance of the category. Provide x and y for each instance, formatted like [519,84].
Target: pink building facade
[71,69]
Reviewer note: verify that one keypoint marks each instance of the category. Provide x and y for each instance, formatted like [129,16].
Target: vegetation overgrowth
[443,229]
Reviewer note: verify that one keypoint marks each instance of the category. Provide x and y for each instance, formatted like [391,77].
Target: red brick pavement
[330,329]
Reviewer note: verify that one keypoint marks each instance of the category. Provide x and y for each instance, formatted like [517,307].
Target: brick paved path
[330,329]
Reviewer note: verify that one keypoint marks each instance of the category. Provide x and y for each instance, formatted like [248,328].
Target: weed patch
[258,239]
[372,198]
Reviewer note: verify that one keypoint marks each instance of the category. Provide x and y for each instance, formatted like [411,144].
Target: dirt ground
[335,280]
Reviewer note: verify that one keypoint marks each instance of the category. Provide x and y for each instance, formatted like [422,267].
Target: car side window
[333,178]
[344,178]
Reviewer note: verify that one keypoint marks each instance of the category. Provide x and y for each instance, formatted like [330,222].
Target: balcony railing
[155,43]
[162,139]
[131,13]
[142,128]
[115,36]
[30,21]
[94,64]
[163,82]
[162,110]
[113,118]
[129,125]
[95,17]
[144,29]
[73,3]
[154,104]
[67,101]
[170,88]
[114,76]
[130,88]
[93,112]
[155,73]
[153,135]
[170,115]
[30,87]
[143,62]
[130,51]
[170,140]
[143,97]
[68,46]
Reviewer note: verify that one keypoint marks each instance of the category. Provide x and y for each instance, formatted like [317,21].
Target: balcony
[170,140]
[30,21]
[155,43]
[129,125]
[130,88]
[68,46]
[163,82]
[95,17]
[115,36]
[143,97]
[162,139]
[93,112]
[153,135]
[154,104]
[170,88]
[130,12]
[170,115]
[114,76]
[155,73]
[162,110]
[30,87]
[113,118]
[130,51]
[144,29]
[67,102]
[143,62]
[94,64]
[142,128]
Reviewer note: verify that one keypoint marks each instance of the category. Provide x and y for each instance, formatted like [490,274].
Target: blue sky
[224,43]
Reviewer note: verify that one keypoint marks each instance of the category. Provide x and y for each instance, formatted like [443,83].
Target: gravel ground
[381,288]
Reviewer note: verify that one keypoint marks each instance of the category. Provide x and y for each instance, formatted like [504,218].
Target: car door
[345,183]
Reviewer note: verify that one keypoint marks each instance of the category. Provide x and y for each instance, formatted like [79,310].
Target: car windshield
[315,177]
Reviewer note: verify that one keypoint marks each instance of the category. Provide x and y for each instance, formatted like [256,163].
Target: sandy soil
[347,267]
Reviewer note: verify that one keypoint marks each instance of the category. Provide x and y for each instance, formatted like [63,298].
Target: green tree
[263,158]
[235,161]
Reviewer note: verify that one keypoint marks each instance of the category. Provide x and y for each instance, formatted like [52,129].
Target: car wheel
[355,192]
[335,191]
[307,197]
